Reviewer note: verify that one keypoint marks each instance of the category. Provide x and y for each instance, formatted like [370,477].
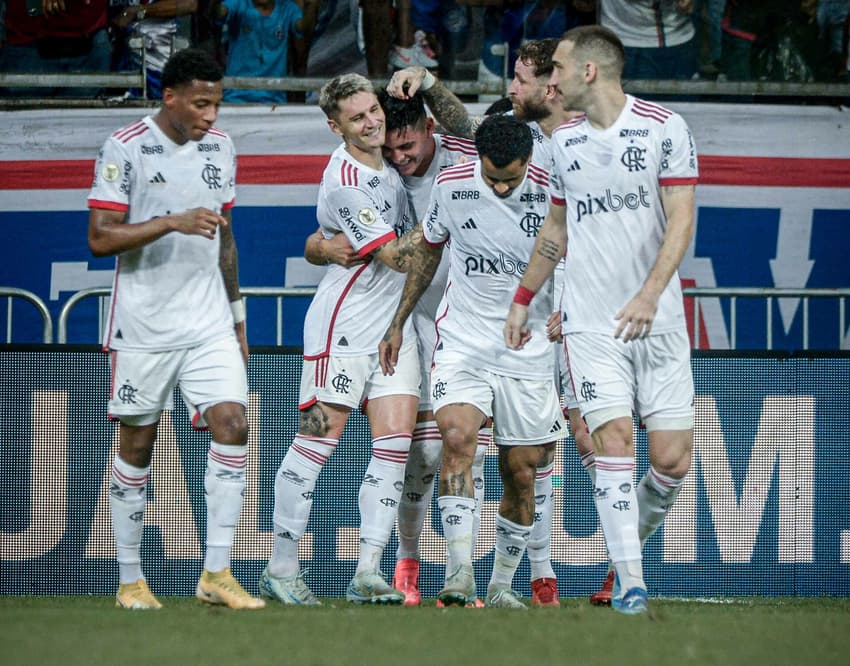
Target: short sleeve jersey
[168,294]
[353,307]
[610,182]
[449,151]
[491,241]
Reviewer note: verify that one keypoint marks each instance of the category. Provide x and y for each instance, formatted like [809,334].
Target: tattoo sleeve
[421,264]
[228,259]
[450,112]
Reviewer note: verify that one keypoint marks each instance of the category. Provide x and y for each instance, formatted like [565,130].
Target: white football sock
[511,540]
[457,515]
[127,503]
[294,484]
[422,463]
[224,487]
[379,496]
[655,494]
[540,541]
[616,504]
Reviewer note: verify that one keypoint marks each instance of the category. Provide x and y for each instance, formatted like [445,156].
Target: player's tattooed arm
[421,265]
[549,250]
[450,112]
[228,259]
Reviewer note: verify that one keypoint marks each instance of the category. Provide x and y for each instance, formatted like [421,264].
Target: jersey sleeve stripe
[108,205]
[121,133]
[558,201]
[678,181]
[138,131]
[378,242]
[230,204]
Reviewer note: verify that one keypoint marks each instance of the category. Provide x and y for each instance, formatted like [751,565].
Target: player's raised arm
[449,111]
[548,250]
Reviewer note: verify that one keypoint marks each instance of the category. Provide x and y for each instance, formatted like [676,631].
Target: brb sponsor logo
[463,195]
[611,202]
[478,266]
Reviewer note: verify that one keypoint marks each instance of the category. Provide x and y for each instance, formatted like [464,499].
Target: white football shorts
[651,375]
[143,382]
[525,411]
[350,380]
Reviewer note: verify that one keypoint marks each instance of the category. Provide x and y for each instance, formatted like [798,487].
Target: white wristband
[428,81]
[238,310]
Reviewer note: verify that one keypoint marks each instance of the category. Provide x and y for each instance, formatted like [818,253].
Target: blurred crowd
[736,40]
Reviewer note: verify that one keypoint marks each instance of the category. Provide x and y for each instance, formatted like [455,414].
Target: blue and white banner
[773,211]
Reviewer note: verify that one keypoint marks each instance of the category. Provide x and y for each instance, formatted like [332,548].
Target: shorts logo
[127,394]
[588,390]
[439,390]
[341,383]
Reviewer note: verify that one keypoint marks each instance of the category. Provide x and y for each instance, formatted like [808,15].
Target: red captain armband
[523,296]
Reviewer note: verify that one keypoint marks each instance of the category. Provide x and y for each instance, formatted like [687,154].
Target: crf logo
[341,383]
[530,224]
[634,158]
[127,394]
[211,175]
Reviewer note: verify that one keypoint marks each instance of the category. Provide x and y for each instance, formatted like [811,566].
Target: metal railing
[768,293]
[103,293]
[747,89]
[10,293]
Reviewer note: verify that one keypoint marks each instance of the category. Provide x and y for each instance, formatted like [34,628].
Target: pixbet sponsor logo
[611,202]
[499,265]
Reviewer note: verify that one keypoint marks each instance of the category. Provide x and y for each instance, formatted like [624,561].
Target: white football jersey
[491,242]
[168,294]
[450,150]
[353,307]
[610,182]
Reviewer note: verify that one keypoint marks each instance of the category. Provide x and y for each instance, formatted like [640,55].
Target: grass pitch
[753,631]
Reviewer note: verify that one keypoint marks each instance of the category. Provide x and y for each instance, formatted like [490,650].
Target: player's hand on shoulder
[198,222]
[405,82]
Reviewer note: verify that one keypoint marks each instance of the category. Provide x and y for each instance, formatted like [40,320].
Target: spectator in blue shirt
[259,33]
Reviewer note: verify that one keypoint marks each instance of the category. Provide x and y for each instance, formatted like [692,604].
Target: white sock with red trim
[655,495]
[540,541]
[423,460]
[379,496]
[127,502]
[224,487]
[294,484]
